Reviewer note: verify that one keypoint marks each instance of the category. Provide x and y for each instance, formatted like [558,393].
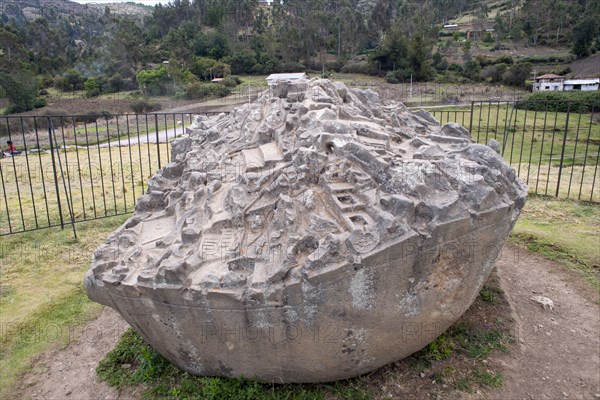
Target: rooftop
[550,76]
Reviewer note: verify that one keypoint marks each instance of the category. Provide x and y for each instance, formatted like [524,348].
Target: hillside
[32,9]
[587,67]
[174,49]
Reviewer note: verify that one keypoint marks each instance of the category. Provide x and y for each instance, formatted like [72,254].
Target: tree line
[184,43]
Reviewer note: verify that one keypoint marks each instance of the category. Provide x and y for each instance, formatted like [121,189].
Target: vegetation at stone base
[42,297]
[578,102]
[187,42]
[564,231]
[133,362]
[452,362]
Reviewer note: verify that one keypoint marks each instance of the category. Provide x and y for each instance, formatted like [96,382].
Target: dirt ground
[556,355]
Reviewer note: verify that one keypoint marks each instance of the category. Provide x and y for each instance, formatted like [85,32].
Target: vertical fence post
[562,151]
[471,120]
[51,141]
[157,140]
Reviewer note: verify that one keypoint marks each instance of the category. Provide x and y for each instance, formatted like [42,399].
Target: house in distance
[552,82]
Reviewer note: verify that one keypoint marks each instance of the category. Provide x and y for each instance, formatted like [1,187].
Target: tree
[471,70]
[92,88]
[241,61]
[419,60]
[70,81]
[517,74]
[21,90]
[154,82]
[584,34]
[206,69]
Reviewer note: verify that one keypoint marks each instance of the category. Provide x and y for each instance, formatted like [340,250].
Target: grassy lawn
[565,231]
[102,181]
[538,137]
[41,292]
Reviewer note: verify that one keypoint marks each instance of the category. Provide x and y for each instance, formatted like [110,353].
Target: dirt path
[70,373]
[557,354]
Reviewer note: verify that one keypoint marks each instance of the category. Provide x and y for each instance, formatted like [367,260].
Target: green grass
[526,139]
[471,340]
[523,139]
[565,231]
[490,379]
[91,176]
[490,294]
[41,275]
[162,380]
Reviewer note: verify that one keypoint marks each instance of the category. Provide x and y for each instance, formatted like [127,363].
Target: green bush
[92,88]
[39,103]
[144,106]
[21,90]
[155,82]
[231,81]
[71,80]
[360,68]
[200,90]
[291,67]
[206,68]
[579,102]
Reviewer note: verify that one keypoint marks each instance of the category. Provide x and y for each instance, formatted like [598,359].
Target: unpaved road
[557,355]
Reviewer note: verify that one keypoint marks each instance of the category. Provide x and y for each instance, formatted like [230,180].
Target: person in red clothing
[12,149]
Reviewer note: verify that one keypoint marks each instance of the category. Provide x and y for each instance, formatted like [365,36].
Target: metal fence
[553,146]
[80,168]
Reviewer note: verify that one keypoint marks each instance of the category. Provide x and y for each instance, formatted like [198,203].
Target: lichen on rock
[313,235]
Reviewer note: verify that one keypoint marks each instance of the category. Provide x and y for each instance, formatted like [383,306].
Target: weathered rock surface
[312,236]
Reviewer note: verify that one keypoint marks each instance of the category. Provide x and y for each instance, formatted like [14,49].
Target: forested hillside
[70,46]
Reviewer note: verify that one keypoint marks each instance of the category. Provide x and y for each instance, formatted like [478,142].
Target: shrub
[70,81]
[517,74]
[241,61]
[579,102]
[144,106]
[155,82]
[92,88]
[39,103]
[21,90]
[206,68]
[231,81]
[92,117]
[292,67]
[200,90]
[360,68]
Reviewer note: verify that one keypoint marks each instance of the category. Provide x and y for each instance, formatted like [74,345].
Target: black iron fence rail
[79,168]
[70,169]
[553,146]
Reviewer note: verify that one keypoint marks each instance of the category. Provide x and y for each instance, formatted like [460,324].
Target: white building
[581,84]
[274,78]
[551,82]
[548,82]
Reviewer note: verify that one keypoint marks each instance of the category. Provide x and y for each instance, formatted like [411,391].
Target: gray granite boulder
[311,236]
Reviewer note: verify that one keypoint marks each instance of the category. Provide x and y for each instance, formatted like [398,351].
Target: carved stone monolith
[311,236]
